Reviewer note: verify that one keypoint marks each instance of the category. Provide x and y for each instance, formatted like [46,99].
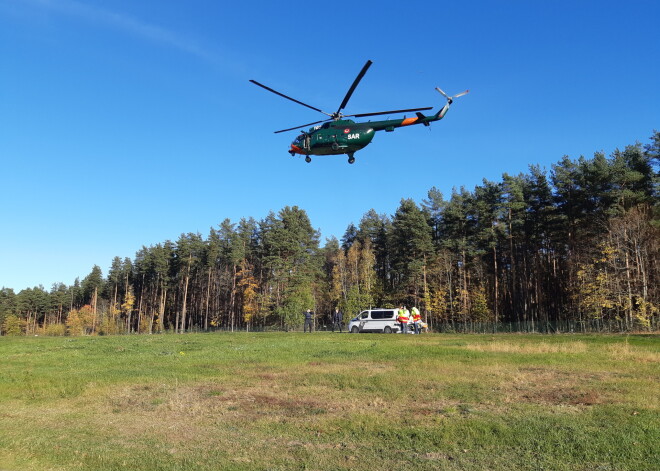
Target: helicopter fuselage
[333,138]
[345,136]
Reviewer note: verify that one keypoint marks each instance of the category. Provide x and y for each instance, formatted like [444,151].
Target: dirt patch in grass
[553,387]
[562,396]
[206,402]
[285,405]
[436,456]
[268,376]
[177,413]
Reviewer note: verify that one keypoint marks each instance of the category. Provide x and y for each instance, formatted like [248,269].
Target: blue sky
[126,123]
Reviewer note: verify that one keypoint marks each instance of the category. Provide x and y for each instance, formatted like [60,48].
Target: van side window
[364,315]
[378,314]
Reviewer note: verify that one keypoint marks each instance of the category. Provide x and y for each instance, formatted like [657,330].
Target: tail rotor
[450,99]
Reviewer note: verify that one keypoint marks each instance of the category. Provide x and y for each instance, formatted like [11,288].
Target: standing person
[337,319]
[403,319]
[406,313]
[309,321]
[417,320]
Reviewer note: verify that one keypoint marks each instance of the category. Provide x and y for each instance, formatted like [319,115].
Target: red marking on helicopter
[346,131]
[296,149]
[408,121]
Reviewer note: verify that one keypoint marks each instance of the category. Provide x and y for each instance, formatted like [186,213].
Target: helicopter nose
[295,149]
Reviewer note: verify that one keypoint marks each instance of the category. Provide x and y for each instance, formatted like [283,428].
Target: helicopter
[336,135]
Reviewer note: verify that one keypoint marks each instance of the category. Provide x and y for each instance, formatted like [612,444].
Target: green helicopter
[337,135]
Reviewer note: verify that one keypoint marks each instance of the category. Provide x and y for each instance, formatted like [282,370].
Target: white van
[375,320]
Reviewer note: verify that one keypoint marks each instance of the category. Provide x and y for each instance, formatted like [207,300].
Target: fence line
[546,327]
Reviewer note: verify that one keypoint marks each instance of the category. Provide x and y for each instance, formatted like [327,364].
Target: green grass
[278,401]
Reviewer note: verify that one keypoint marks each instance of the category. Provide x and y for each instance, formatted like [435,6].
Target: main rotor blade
[302,126]
[288,97]
[362,115]
[355,84]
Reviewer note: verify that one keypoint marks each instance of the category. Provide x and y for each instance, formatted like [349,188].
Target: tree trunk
[184,308]
[495,285]
[207,301]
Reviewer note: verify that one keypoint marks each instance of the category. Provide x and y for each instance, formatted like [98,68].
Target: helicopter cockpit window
[326,126]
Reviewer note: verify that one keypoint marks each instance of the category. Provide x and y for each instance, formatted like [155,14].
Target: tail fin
[422,118]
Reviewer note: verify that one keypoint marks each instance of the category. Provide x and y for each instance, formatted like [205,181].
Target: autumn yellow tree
[249,287]
[354,277]
[81,321]
[127,307]
[13,325]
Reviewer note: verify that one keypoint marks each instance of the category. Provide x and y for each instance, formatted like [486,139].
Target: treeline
[579,243]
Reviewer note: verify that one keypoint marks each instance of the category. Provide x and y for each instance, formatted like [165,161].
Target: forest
[574,248]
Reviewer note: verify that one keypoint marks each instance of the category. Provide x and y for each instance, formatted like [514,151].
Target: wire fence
[604,326]
[609,326]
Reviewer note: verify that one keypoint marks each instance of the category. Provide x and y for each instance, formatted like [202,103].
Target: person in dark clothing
[309,321]
[337,320]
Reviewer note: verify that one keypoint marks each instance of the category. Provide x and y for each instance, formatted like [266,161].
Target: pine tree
[188,253]
[411,245]
[374,228]
[7,304]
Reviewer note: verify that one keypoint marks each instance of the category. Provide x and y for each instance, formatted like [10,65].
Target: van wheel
[355,330]
[387,329]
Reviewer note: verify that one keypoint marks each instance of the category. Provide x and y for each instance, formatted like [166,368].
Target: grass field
[279,401]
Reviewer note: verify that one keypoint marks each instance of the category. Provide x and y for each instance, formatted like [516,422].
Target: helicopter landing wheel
[308,159]
[351,159]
